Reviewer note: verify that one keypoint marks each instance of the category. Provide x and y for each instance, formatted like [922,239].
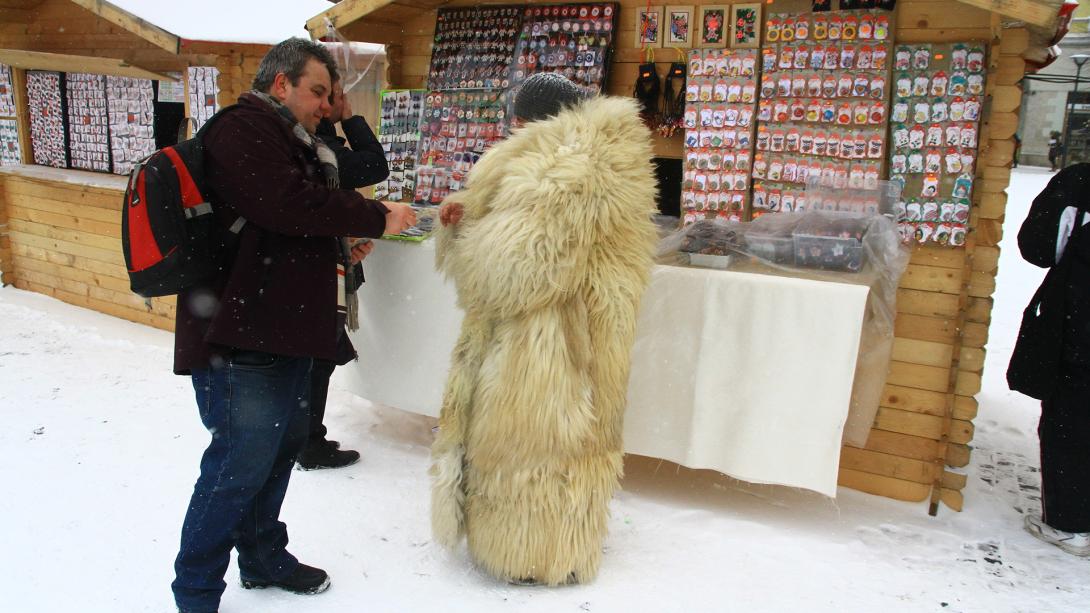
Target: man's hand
[361,249]
[400,218]
[347,107]
[450,213]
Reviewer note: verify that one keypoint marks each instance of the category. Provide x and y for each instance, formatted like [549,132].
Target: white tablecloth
[746,374]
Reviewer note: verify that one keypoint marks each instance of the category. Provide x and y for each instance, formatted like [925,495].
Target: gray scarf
[331,172]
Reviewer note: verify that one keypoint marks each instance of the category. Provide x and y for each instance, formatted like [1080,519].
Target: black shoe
[303,580]
[317,456]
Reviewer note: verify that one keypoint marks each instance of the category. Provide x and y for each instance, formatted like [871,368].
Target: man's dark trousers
[319,392]
[255,406]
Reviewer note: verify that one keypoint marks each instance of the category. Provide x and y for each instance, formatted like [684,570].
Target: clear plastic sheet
[355,60]
[820,245]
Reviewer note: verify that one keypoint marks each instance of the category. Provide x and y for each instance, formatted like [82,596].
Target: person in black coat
[1051,360]
[248,336]
[360,162]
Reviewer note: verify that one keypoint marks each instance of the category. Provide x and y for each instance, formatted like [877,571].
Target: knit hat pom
[545,94]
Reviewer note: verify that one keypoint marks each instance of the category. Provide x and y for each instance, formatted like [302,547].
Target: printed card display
[456,130]
[203,93]
[7,93]
[721,91]
[574,40]
[88,129]
[937,104]
[399,133]
[473,47]
[10,154]
[132,132]
[823,112]
[45,104]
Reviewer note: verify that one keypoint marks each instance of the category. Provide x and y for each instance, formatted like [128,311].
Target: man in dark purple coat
[249,336]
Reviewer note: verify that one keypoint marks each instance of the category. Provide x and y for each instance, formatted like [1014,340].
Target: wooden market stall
[60,227]
[924,428]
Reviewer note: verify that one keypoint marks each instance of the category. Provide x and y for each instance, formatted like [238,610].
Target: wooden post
[941,476]
[22,114]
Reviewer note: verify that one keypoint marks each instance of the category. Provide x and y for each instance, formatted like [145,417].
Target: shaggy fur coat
[550,261]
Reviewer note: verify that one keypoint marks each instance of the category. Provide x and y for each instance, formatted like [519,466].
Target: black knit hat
[545,94]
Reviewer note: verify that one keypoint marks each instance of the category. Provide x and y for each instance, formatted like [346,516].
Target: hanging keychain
[959,58]
[934,135]
[900,136]
[963,186]
[904,85]
[920,85]
[902,58]
[878,88]
[915,162]
[939,110]
[878,58]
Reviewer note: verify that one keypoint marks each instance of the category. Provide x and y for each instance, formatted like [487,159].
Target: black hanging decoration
[673,100]
[867,4]
[647,91]
[849,5]
[820,6]
[886,5]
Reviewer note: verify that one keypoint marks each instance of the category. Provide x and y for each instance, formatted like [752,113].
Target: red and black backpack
[170,238]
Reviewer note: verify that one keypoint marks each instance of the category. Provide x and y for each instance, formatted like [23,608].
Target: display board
[937,104]
[88,129]
[824,101]
[399,133]
[203,93]
[473,47]
[10,153]
[7,92]
[479,57]
[45,102]
[132,129]
[573,39]
[720,96]
[457,128]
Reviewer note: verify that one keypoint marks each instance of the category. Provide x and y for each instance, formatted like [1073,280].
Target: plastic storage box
[772,242]
[830,242]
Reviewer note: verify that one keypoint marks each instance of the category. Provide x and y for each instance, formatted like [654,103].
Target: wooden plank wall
[7,267]
[925,424]
[65,243]
[63,239]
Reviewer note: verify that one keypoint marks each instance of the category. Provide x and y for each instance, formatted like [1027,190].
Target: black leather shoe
[303,580]
[317,456]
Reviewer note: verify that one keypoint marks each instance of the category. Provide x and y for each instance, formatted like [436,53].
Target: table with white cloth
[746,374]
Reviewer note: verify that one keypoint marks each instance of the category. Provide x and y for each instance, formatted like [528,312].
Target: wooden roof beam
[131,23]
[37,60]
[1037,12]
[344,13]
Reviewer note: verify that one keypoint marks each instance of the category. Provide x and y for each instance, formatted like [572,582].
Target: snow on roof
[236,21]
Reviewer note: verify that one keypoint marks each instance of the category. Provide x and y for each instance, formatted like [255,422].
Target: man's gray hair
[290,57]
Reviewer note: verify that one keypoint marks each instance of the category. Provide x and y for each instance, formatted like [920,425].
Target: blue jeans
[255,407]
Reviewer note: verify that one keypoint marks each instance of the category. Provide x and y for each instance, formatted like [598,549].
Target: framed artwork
[649,27]
[678,27]
[712,28]
[745,26]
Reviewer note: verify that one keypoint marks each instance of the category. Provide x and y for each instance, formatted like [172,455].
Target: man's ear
[280,86]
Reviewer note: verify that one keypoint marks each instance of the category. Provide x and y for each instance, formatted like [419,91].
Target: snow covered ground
[102,445]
